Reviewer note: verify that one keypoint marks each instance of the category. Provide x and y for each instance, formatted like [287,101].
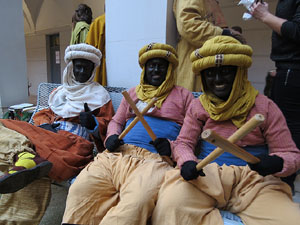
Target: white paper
[247,4]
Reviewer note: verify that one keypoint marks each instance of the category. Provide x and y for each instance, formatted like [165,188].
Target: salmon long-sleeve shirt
[273,132]
[173,109]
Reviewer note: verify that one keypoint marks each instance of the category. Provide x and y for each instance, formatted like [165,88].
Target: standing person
[197,21]
[96,37]
[81,20]
[121,185]
[286,55]
[257,195]
[59,146]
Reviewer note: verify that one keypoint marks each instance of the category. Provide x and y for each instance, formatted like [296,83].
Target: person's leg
[273,205]
[286,94]
[94,192]
[139,183]
[181,202]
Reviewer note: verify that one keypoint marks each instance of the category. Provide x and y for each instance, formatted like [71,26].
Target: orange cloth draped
[103,116]
[69,153]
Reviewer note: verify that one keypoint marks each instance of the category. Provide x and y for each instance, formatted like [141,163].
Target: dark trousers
[286,94]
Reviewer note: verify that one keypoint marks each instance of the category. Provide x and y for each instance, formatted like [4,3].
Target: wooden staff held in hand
[139,116]
[227,145]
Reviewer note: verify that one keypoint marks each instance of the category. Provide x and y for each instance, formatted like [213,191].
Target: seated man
[229,100]
[61,145]
[120,186]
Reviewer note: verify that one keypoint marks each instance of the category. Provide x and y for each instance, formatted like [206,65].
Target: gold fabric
[197,21]
[26,206]
[96,37]
[243,94]
[11,144]
[146,92]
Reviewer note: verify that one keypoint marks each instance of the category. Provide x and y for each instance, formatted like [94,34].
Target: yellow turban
[220,51]
[146,92]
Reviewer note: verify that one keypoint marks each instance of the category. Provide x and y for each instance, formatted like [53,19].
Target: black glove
[113,142]
[50,127]
[162,146]
[86,118]
[189,171]
[267,165]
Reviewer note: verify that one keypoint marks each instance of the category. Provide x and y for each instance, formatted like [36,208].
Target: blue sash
[138,135]
[228,158]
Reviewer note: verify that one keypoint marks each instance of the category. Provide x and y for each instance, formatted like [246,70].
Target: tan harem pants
[116,188]
[257,200]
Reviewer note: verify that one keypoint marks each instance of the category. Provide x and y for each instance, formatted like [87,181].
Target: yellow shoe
[27,168]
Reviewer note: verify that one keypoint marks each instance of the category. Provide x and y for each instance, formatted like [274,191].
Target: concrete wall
[13,79]
[129,26]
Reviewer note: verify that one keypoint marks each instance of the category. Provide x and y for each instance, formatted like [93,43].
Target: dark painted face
[82,69]
[219,80]
[155,71]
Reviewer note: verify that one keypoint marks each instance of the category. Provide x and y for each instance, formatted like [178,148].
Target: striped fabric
[74,128]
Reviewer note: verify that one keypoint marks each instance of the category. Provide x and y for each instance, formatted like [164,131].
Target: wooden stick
[145,124]
[250,125]
[215,139]
[136,119]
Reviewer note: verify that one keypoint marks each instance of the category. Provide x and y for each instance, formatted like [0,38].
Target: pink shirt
[273,131]
[173,109]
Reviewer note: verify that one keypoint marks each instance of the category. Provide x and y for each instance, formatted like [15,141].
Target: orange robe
[68,152]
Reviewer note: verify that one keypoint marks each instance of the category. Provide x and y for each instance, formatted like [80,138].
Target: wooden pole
[145,124]
[250,125]
[136,119]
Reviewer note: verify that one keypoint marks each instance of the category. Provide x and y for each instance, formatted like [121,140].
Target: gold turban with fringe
[221,51]
[146,92]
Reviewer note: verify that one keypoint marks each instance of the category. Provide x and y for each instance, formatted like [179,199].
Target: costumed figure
[255,193]
[59,145]
[197,21]
[81,20]
[120,186]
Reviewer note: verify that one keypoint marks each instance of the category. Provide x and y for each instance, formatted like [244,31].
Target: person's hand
[113,142]
[162,146]
[51,127]
[86,118]
[189,171]
[259,10]
[267,165]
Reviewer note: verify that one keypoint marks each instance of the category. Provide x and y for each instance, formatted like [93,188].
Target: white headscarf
[68,100]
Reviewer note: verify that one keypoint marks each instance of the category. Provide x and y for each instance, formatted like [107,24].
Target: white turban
[68,100]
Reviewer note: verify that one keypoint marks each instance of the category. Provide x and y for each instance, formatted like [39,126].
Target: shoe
[20,176]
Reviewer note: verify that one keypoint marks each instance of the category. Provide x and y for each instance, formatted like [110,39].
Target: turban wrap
[221,51]
[68,100]
[146,92]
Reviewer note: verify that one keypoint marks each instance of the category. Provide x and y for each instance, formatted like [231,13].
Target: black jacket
[286,48]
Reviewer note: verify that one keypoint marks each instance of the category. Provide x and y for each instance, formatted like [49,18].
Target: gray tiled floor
[55,210]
